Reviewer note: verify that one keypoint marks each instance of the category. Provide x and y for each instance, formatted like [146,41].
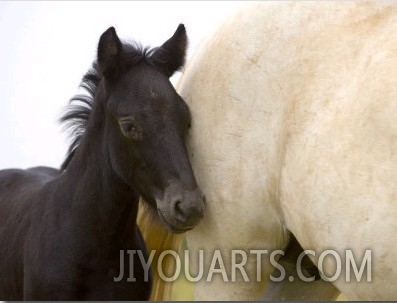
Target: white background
[46,47]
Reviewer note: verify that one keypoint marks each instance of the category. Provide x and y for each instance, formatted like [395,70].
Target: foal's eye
[130,128]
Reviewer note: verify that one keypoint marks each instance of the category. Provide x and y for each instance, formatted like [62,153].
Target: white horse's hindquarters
[339,178]
[293,107]
[338,190]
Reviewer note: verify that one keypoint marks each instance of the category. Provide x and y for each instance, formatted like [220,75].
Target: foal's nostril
[186,209]
[178,210]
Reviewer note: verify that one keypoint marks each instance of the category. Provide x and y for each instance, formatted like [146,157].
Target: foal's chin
[164,220]
[172,227]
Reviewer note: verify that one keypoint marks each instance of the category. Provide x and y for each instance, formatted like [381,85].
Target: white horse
[294,110]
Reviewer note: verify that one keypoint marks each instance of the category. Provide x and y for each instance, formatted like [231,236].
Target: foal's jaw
[181,209]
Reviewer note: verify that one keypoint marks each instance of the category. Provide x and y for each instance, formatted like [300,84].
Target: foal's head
[146,123]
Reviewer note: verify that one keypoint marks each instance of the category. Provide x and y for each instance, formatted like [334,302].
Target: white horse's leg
[229,283]
[233,233]
[297,289]
[296,285]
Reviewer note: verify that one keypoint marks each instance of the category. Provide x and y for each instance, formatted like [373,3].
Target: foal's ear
[171,55]
[109,53]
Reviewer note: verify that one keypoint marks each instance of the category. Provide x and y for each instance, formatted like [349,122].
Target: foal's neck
[98,191]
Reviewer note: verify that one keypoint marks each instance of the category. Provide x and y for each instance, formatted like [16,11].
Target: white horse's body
[294,111]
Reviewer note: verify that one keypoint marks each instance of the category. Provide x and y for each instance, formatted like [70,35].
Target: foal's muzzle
[181,209]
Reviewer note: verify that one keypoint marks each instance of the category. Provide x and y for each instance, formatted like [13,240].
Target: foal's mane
[78,112]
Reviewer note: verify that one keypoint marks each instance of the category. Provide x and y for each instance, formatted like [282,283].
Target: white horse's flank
[294,111]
